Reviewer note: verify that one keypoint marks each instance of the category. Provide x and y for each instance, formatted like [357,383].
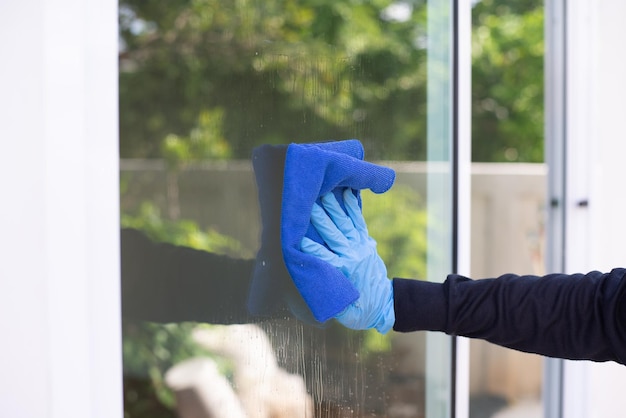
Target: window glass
[211,326]
[507,127]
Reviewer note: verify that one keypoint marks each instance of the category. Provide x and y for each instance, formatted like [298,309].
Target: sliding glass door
[204,86]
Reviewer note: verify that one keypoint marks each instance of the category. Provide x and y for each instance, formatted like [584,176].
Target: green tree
[399,232]
[208,79]
[307,70]
[281,70]
[507,85]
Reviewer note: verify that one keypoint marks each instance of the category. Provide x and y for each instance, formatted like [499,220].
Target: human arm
[567,316]
[353,252]
[577,316]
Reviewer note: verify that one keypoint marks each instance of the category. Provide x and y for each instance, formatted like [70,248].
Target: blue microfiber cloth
[272,292]
[310,171]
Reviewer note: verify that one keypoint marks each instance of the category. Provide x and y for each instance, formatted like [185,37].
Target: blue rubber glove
[353,252]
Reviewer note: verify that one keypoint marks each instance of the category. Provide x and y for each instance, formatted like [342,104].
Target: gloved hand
[353,251]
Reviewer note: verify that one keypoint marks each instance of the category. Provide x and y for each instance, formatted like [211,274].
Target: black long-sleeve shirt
[578,316]
[567,316]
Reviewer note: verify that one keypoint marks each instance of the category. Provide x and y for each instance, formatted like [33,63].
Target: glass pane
[439,195]
[211,325]
[508,197]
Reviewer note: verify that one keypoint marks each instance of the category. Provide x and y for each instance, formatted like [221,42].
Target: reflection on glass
[202,84]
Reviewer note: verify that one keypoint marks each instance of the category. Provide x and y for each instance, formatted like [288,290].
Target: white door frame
[59,274]
[585,144]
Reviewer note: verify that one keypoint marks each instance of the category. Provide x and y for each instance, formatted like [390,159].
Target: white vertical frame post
[463,133]
[579,28]
[584,108]
[555,150]
[595,179]
[59,275]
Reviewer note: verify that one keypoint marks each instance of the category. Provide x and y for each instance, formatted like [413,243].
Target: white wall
[59,271]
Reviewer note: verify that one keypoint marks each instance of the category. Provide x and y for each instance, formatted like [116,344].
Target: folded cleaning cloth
[272,291]
[310,171]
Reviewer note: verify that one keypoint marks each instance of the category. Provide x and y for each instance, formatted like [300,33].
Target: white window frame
[59,274]
[585,86]
[462,212]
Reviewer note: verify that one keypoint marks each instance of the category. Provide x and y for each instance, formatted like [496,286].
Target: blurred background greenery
[253,72]
[211,79]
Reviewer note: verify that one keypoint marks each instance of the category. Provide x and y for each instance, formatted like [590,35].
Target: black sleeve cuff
[419,305]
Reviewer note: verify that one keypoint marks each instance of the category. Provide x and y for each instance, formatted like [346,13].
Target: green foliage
[397,221]
[150,349]
[211,79]
[205,141]
[507,97]
[280,70]
[182,232]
